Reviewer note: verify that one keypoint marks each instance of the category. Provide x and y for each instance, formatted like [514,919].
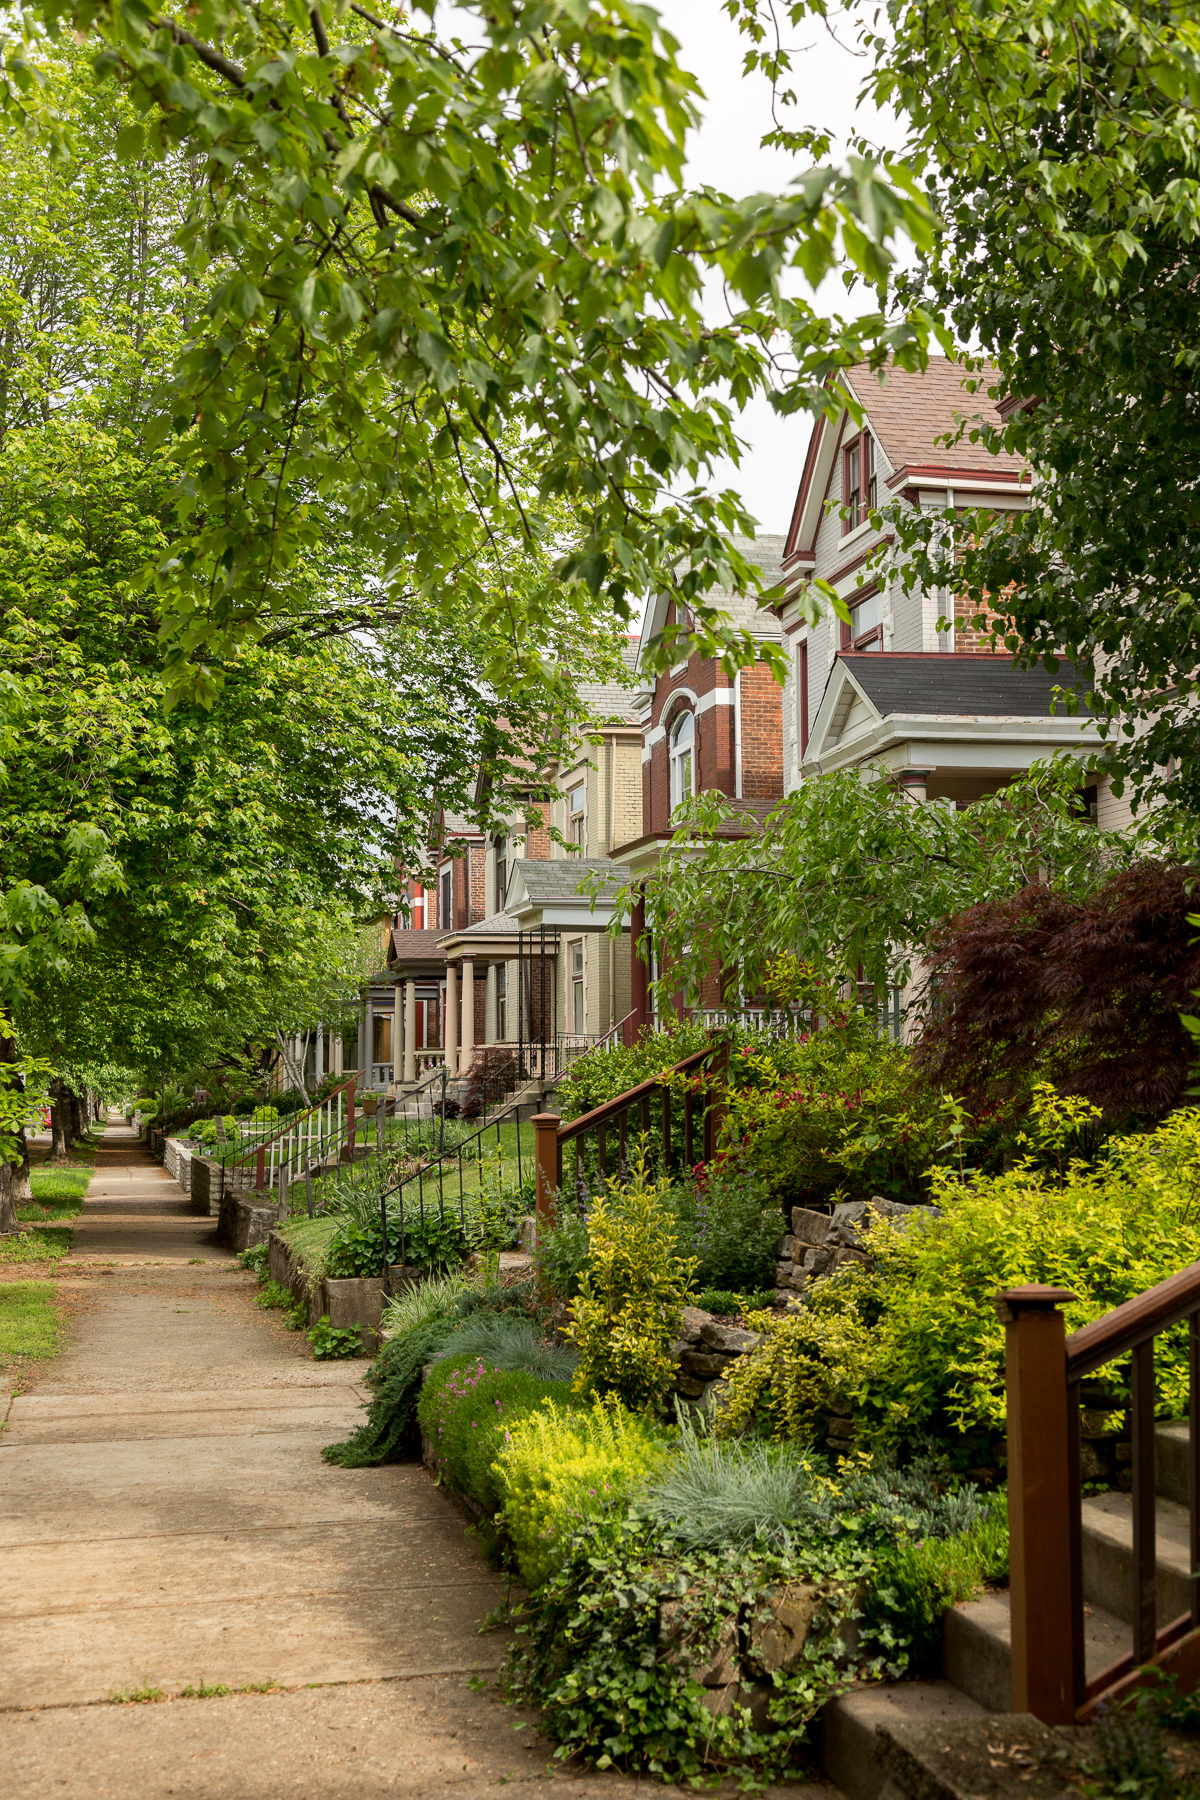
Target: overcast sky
[725,153]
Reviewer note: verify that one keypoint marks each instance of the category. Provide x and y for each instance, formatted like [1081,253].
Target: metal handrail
[426,1170]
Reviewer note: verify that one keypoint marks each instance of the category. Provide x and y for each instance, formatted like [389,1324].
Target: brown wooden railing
[1044,1369]
[551,1135]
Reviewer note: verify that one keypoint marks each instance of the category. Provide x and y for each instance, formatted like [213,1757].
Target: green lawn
[29,1319]
[58,1190]
[45,1243]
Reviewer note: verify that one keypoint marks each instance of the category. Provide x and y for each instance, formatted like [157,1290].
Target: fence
[453,1165]
[1044,1370]
[553,1136]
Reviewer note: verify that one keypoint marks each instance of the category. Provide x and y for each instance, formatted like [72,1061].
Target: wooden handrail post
[1040,1503]
[545,1154]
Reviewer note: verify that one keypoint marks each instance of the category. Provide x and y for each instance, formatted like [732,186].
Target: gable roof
[910,410]
[949,709]
[962,682]
[602,701]
[765,550]
[907,411]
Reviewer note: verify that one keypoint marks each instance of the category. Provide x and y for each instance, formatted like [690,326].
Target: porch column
[489,1004]
[364,1021]
[320,1066]
[397,1032]
[913,783]
[337,1049]
[410,1029]
[468,1015]
[451,1032]
[639,972]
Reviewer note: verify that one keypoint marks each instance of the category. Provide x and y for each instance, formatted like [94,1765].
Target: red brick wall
[762,734]
[537,838]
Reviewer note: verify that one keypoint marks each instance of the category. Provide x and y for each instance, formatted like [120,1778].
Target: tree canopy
[438,287]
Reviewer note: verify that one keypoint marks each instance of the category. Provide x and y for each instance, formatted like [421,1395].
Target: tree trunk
[78,1119]
[14,1179]
[60,1113]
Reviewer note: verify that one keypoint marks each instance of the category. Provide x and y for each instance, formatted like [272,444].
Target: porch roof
[547,893]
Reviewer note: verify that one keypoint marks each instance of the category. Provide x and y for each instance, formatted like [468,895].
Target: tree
[442,287]
[1057,143]
[1085,992]
[849,878]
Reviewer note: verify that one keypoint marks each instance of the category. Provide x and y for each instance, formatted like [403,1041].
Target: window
[501,1003]
[860,483]
[576,815]
[802,694]
[683,739]
[577,1010]
[445,917]
[865,630]
[501,873]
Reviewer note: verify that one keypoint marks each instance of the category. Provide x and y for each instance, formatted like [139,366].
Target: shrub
[465,1409]
[511,1340]
[840,1112]
[265,1115]
[255,1259]
[1085,993]
[334,1340]
[732,1227]
[913,1345]
[432,1242]
[728,1305]
[601,1075]
[631,1294]
[556,1467]
[561,1253]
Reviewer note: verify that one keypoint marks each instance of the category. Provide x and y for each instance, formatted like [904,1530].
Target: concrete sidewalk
[166,1520]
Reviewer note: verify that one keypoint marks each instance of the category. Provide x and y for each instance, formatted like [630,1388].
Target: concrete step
[1108,1556]
[1170,1461]
[977,1647]
[848,1743]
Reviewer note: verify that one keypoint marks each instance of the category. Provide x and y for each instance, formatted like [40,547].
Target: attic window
[860,482]
[865,630]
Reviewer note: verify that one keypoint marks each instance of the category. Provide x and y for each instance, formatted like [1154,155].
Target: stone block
[784,1272]
[810,1227]
[729,1339]
[777,1640]
[816,1262]
[690,1387]
[693,1321]
[703,1367]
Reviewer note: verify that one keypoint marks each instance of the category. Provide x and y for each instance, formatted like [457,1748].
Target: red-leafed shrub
[1086,994]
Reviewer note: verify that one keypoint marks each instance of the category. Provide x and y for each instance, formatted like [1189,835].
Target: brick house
[703,731]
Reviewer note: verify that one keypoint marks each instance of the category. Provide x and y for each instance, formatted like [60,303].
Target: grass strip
[58,1190]
[38,1244]
[29,1319]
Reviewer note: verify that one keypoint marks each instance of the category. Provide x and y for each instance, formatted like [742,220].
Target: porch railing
[552,1136]
[1044,1369]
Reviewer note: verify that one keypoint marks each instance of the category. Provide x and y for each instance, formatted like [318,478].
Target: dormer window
[865,630]
[683,740]
[860,489]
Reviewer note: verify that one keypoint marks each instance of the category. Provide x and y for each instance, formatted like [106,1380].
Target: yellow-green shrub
[631,1293]
[558,1466]
[915,1344]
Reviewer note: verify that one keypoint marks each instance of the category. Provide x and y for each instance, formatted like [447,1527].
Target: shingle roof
[416,946]
[561,879]
[604,700]
[909,412]
[496,926]
[767,551]
[956,686]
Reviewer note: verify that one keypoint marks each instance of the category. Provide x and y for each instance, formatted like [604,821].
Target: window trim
[864,638]
[577,815]
[863,497]
[676,757]
[578,982]
[802,684]
[446,898]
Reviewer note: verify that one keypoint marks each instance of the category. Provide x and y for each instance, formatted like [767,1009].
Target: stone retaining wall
[345,1302]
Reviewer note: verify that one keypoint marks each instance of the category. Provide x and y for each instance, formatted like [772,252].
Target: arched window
[683,738]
